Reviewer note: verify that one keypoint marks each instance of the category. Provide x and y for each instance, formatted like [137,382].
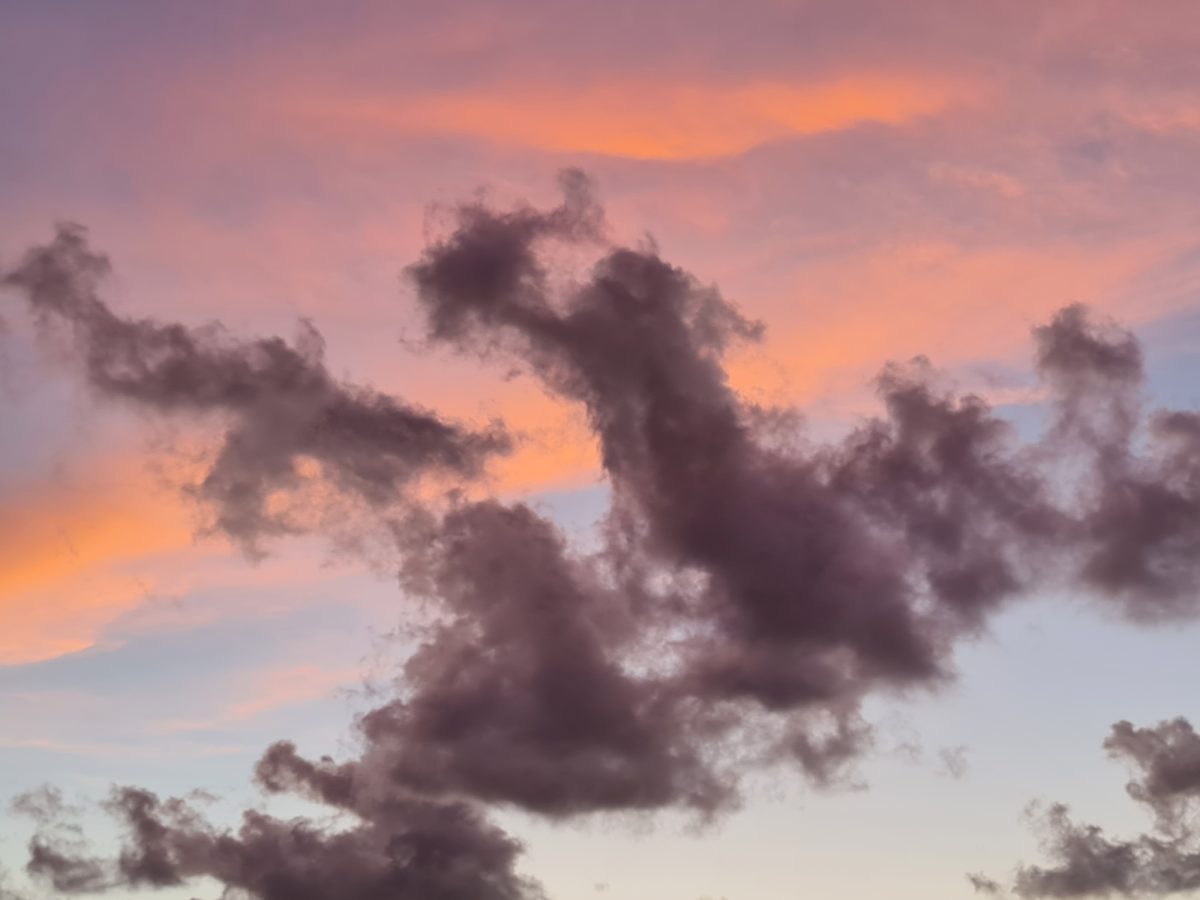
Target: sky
[655,451]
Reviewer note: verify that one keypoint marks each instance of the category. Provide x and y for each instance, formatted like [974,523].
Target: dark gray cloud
[823,574]
[280,404]
[802,601]
[1166,763]
[984,885]
[519,695]
[750,590]
[1137,512]
[944,475]
[819,575]
[1087,863]
[640,346]
[396,848]
[1165,759]
[58,851]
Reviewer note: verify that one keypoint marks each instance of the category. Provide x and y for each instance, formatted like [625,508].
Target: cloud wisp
[288,420]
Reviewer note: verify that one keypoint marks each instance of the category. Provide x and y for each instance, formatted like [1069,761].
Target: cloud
[1090,864]
[813,565]
[271,690]
[520,695]
[984,885]
[1087,863]
[821,573]
[751,587]
[1167,760]
[394,848]
[1139,512]
[955,761]
[289,421]
[657,119]
[68,544]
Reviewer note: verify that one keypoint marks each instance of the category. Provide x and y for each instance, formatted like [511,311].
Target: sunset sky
[692,605]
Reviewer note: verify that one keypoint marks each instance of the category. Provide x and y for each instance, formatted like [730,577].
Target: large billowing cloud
[521,695]
[288,418]
[750,589]
[1165,759]
[823,571]
[808,590]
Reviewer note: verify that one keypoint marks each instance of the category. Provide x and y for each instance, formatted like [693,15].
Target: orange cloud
[848,316]
[652,120]
[64,551]
[1178,117]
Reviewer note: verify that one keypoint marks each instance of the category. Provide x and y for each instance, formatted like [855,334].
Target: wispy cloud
[650,119]
[267,691]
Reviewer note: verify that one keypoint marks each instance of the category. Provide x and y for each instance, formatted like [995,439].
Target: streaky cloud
[279,403]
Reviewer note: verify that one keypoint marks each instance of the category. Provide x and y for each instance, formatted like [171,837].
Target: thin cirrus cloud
[68,553]
[654,119]
[269,691]
[963,302]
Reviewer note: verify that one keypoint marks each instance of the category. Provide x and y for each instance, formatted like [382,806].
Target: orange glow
[62,553]
[1165,120]
[840,324]
[654,120]
[555,450]
[831,330]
